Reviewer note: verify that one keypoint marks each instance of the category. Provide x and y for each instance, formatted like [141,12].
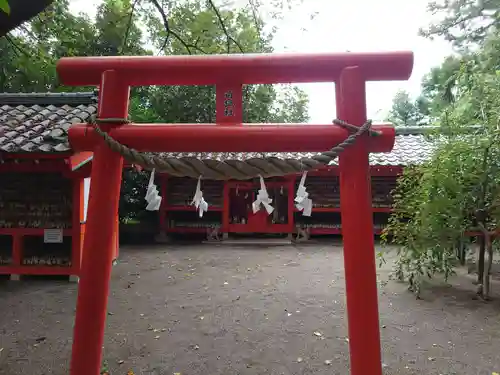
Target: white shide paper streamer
[302,200]
[152,196]
[262,199]
[198,200]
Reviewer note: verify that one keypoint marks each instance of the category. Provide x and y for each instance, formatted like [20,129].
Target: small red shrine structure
[42,199]
[230,211]
[115,75]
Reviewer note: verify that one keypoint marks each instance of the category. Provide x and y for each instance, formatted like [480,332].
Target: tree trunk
[462,253]
[487,267]
[480,259]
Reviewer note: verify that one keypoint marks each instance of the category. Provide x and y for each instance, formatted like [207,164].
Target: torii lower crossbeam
[215,138]
[349,71]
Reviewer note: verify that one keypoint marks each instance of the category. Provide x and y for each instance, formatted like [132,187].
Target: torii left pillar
[100,236]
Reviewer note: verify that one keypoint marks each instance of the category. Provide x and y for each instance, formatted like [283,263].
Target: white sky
[357,26]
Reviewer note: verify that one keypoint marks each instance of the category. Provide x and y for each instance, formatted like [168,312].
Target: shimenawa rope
[228,169]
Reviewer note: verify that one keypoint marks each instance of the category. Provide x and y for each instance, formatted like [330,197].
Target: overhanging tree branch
[464,21]
[24,10]
[229,38]
[20,12]
[129,25]
[189,46]
[17,49]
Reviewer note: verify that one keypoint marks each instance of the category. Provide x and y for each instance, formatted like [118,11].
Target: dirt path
[221,310]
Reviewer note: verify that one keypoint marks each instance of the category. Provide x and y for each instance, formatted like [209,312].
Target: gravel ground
[203,309]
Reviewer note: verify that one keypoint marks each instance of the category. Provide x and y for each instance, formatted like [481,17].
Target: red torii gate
[115,75]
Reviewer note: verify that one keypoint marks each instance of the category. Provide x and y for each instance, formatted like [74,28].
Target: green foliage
[435,204]
[133,191]
[195,21]
[406,112]
[463,22]
[439,84]
[459,188]
[122,27]
[4,6]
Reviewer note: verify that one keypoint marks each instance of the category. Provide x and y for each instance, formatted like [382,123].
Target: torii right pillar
[357,231]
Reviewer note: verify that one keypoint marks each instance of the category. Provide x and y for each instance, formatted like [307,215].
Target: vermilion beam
[219,138]
[357,230]
[244,69]
[99,245]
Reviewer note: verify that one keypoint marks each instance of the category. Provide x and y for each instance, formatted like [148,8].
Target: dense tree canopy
[125,27]
[407,112]
[458,189]
[463,22]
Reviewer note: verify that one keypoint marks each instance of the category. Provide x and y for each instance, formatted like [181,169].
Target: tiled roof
[39,123]
[36,122]
[409,149]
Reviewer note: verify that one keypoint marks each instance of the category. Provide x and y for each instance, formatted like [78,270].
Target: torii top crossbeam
[243,69]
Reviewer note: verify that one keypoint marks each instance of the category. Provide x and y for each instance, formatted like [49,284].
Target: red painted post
[17,249]
[76,236]
[99,242]
[291,204]
[357,230]
[229,111]
[164,204]
[225,209]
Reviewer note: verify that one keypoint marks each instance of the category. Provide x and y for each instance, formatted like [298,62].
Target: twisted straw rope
[229,169]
